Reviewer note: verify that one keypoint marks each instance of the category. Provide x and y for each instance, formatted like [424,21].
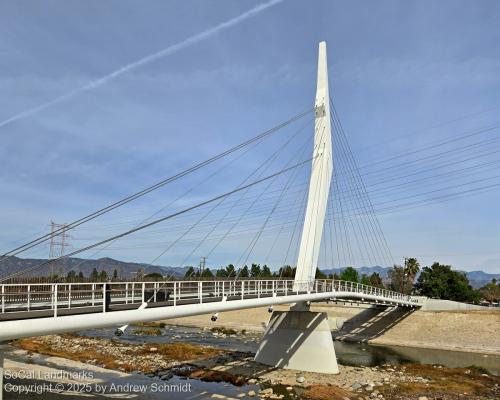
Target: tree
[243,272]
[286,271]
[190,273]
[115,274]
[412,266]
[230,271]
[207,273]
[81,278]
[154,276]
[349,274]
[255,271]
[491,291]
[320,274]
[221,273]
[440,281]
[397,276]
[266,272]
[71,276]
[103,276]
[94,275]
[376,280]
[365,280]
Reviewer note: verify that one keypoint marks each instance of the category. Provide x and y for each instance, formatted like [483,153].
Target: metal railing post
[3,299]
[143,290]
[175,294]
[103,297]
[69,295]
[126,293]
[93,294]
[54,294]
[242,290]
[200,291]
[29,297]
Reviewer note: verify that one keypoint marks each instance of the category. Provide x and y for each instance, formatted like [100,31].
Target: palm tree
[412,266]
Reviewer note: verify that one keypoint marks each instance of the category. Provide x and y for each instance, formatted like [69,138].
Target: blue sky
[404,76]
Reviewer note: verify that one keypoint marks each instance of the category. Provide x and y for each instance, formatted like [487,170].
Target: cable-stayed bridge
[298,339]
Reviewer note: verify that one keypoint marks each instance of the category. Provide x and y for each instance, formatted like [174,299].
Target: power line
[158,220]
[151,188]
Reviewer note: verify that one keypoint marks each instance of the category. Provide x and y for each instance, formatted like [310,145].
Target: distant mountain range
[125,269]
[128,270]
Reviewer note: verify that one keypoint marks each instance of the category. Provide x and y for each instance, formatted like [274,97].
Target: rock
[251,393]
[289,388]
[356,386]
[166,377]
[300,379]
[153,349]
[267,391]
[345,398]
[241,395]
[422,398]
[218,396]
[252,381]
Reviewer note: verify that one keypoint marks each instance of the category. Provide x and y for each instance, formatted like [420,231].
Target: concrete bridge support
[299,340]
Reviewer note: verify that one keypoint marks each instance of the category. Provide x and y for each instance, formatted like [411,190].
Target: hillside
[127,269]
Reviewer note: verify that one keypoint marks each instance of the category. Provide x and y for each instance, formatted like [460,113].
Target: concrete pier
[299,340]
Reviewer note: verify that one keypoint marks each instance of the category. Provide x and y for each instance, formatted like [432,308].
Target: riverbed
[352,354]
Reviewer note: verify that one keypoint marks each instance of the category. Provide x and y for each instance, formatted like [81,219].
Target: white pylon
[319,185]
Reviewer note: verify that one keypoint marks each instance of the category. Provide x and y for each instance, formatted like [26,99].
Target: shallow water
[357,354]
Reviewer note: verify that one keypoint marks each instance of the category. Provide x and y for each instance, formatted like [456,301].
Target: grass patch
[321,392]
[452,381]
[183,351]
[147,331]
[153,324]
[217,376]
[106,360]
[223,330]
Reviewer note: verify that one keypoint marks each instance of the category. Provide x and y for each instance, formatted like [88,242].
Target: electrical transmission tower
[58,242]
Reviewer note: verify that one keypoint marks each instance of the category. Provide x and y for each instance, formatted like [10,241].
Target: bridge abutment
[299,339]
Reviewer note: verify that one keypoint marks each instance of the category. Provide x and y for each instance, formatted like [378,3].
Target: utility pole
[58,242]
[203,261]
[404,275]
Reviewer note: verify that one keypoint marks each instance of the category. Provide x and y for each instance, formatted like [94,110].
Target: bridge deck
[58,299]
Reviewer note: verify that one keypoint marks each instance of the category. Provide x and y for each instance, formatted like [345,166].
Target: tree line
[435,281]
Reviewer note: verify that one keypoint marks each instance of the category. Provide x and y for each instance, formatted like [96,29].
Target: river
[354,354]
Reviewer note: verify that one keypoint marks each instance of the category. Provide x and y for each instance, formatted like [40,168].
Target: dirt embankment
[473,331]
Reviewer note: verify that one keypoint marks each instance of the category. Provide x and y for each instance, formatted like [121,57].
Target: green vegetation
[147,331]
[153,276]
[223,330]
[349,274]
[440,281]
[403,278]
[491,291]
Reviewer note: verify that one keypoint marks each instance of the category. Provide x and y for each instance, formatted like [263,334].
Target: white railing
[59,296]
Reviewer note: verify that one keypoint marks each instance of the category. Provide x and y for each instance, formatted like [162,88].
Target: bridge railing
[65,296]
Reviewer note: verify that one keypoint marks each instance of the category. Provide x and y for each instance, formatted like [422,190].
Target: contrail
[146,60]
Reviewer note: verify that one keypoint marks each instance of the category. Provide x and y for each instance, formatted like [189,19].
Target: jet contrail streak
[143,61]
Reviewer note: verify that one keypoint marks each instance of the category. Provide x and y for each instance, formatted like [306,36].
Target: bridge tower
[319,184]
[300,339]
